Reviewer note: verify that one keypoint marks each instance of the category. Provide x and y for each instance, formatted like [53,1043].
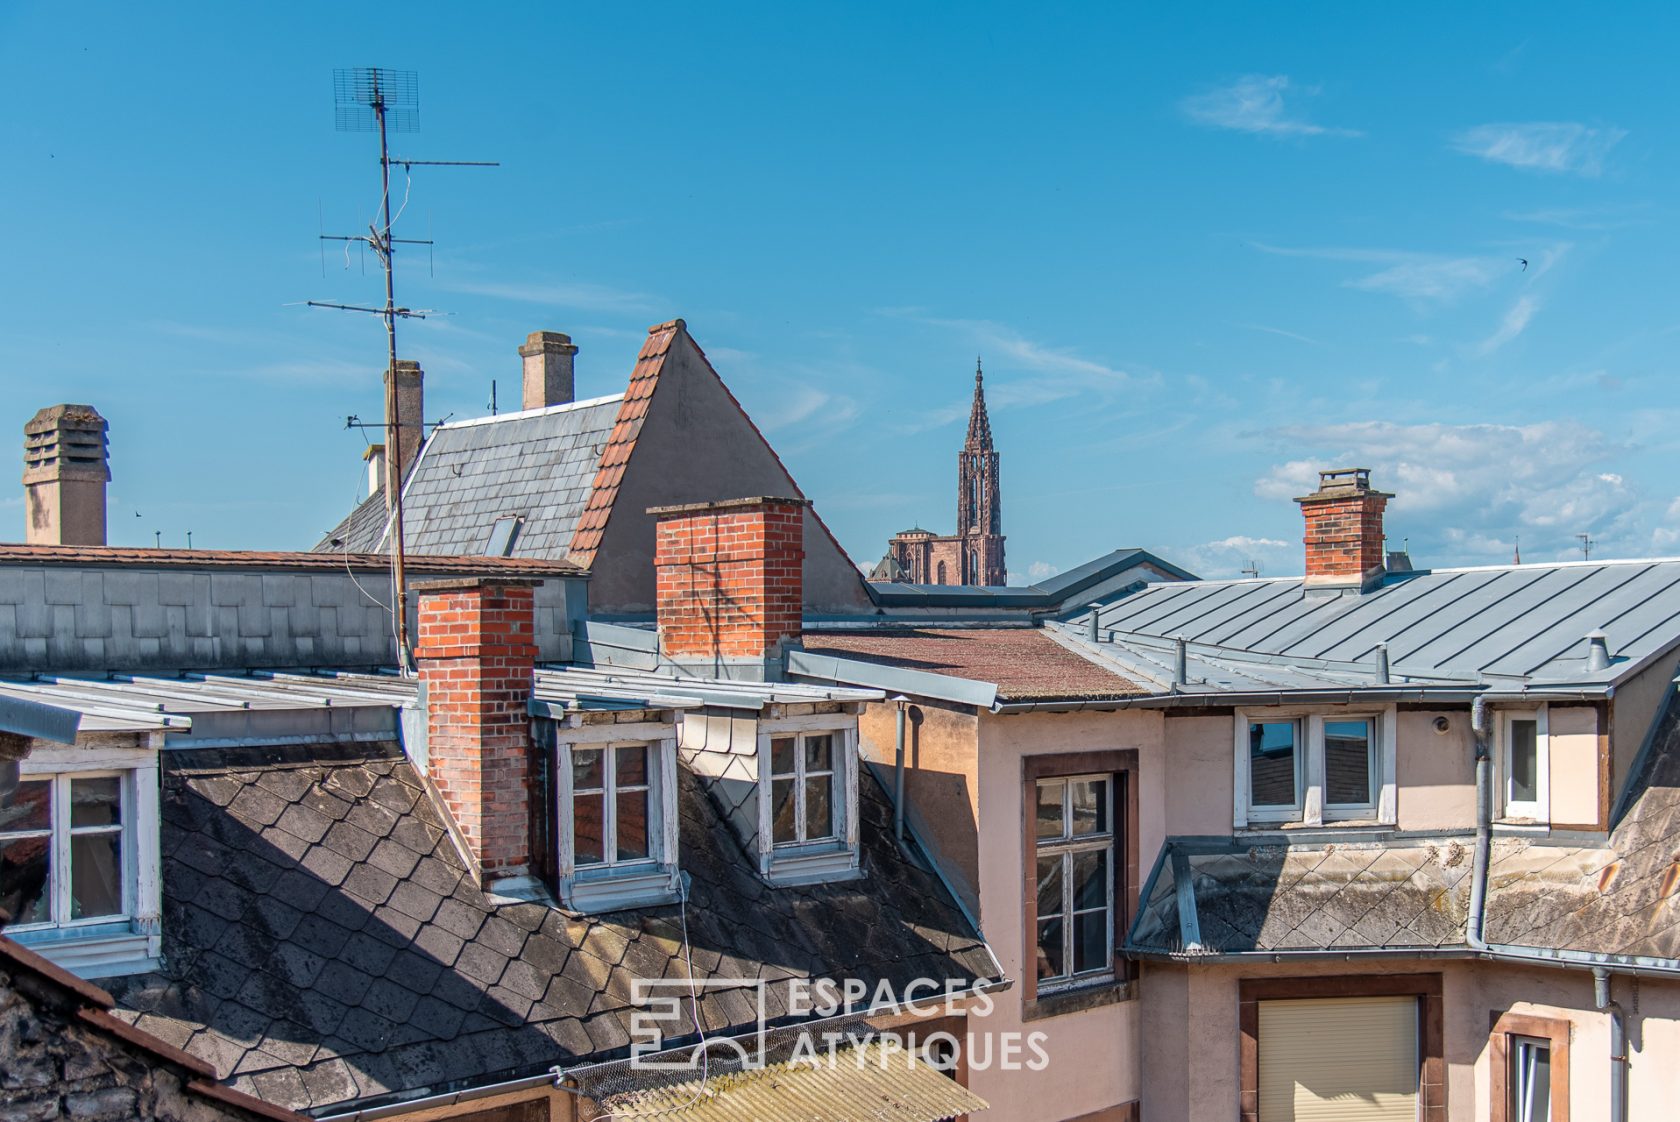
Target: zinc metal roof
[1522,624]
[871,1082]
[574,687]
[538,465]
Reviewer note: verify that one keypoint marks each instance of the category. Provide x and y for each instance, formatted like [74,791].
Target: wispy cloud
[808,406]
[1282,333]
[578,295]
[1229,557]
[1255,103]
[1550,146]
[1408,274]
[1514,324]
[1474,487]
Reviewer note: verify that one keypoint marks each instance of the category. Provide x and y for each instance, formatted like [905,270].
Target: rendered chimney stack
[65,470]
[548,359]
[1344,530]
[411,412]
[375,457]
[476,653]
[730,581]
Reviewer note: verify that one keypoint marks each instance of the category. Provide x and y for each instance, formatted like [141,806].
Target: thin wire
[345,553]
[694,1012]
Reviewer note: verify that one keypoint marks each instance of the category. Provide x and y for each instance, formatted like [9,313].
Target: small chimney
[411,430]
[65,469]
[477,653]
[1598,651]
[1344,537]
[548,369]
[375,458]
[730,581]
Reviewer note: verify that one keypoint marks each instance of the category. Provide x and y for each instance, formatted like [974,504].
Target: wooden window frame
[1122,764]
[1507,1025]
[1432,1068]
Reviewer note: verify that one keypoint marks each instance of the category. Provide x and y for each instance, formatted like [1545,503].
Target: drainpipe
[1618,1044]
[902,703]
[1484,825]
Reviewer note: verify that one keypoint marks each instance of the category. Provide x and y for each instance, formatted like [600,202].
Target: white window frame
[800,775]
[104,946]
[60,833]
[826,859]
[1309,808]
[1066,845]
[612,884]
[1539,810]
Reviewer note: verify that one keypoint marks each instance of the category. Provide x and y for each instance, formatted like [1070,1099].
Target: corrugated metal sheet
[1524,623]
[874,1082]
[578,687]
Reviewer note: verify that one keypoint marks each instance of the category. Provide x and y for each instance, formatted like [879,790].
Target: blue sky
[1204,251]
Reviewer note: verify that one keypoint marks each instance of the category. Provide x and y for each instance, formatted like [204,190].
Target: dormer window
[803,807]
[1313,768]
[615,821]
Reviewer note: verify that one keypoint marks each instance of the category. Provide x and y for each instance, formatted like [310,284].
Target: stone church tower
[974,554]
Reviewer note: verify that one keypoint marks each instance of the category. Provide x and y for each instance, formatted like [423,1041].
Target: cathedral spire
[979,425]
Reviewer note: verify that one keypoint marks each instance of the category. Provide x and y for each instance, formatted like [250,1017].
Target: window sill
[101,951]
[1078,998]
[600,890]
[812,864]
[1329,826]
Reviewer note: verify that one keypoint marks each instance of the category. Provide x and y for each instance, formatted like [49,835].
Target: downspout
[902,703]
[1618,1044]
[1484,826]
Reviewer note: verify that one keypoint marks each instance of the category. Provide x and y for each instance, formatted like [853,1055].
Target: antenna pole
[393,423]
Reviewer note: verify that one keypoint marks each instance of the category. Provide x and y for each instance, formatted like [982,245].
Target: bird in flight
[1524,261]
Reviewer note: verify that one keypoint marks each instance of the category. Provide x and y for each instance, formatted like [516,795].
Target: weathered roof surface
[582,687]
[1512,621]
[442,563]
[1275,898]
[1024,663]
[140,702]
[324,943]
[1102,576]
[68,1010]
[539,465]
[1620,898]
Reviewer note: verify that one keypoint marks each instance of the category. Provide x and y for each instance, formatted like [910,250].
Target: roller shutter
[1342,1059]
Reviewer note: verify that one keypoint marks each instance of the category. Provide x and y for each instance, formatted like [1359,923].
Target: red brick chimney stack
[730,579]
[1344,532]
[477,652]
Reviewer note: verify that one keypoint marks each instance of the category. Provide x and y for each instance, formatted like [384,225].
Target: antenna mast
[373,99]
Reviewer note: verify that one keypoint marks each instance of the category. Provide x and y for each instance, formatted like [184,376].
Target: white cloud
[805,404]
[1666,536]
[1255,104]
[1474,487]
[1412,275]
[1237,554]
[1514,324]
[1551,146]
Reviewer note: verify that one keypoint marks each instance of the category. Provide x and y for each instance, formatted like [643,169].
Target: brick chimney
[476,652]
[1344,535]
[730,581]
[548,369]
[65,469]
[411,412]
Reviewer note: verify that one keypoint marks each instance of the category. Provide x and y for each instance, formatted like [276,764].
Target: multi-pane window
[1074,828]
[803,806]
[1530,1079]
[1313,769]
[612,800]
[62,850]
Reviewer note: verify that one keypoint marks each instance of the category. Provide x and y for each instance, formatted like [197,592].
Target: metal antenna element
[1586,546]
[1251,569]
[374,99]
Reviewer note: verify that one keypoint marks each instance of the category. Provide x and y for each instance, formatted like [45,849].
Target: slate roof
[1024,663]
[1521,623]
[539,464]
[324,944]
[1277,898]
[1618,898]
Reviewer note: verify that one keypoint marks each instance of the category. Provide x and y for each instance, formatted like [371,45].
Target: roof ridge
[526,414]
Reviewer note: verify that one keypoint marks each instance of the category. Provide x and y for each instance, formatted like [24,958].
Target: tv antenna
[1251,569]
[374,99]
[1586,546]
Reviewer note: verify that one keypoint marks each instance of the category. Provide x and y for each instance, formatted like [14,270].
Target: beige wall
[1572,748]
[941,786]
[692,422]
[1198,784]
[1635,706]
[1093,1054]
[1435,772]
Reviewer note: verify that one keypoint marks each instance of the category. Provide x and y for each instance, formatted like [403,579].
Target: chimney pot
[1598,651]
[1344,530]
[548,379]
[66,465]
[375,457]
